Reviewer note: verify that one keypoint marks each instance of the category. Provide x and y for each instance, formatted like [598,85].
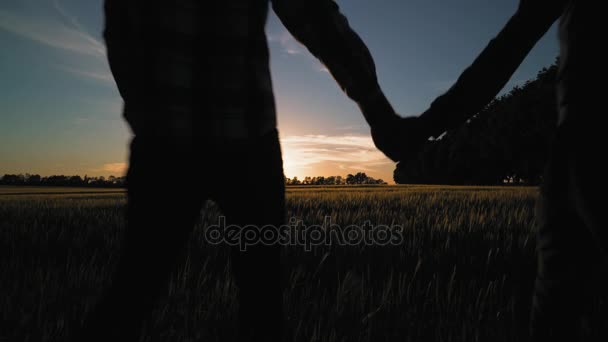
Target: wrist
[376,109]
[428,123]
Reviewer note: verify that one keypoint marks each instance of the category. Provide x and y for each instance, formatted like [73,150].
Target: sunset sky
[60,111]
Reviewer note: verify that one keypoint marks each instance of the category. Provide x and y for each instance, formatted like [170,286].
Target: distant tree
[9,179]
[359,178]
[61,180]
[75,181]
[34,180]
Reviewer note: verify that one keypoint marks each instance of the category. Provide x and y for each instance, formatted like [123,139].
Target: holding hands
[400,139]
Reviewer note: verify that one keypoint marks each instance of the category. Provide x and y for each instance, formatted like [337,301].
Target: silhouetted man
[572,240]
[197,92]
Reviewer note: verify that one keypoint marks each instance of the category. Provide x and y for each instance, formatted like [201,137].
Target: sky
[60,112]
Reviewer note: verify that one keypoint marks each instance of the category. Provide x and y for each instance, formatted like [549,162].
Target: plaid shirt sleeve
[319,25]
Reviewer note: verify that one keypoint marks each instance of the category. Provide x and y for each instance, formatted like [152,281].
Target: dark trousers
[571,236]
[168,181]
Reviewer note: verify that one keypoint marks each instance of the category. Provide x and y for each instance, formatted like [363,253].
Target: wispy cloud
[58,29]
[71,19]
[352,128]
[52,33]
[288,45]
[322,154]
[115,168]
[323,68]
[108,169]
[101,75]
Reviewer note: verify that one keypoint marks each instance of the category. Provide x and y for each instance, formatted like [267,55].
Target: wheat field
[463,272]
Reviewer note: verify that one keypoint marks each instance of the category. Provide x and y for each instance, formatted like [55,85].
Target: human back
[191,68]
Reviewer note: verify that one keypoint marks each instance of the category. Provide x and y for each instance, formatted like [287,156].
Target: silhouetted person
[572,240]
[195,80]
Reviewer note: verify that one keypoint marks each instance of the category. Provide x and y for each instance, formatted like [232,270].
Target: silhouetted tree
[507,142]
[359,178]
[61,180]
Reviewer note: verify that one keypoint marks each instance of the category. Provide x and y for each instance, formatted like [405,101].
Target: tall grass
[464,272]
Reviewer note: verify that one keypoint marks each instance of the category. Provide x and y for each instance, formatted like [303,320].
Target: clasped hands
[399,138]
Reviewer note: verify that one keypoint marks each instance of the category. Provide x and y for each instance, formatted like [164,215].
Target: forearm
[319,25]
[489,73]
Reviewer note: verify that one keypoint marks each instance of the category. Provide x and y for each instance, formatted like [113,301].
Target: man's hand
[400,139]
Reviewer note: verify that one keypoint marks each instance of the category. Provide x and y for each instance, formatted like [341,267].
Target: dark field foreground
[464,271]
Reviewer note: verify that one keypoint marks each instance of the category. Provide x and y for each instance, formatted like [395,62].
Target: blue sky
[60,111]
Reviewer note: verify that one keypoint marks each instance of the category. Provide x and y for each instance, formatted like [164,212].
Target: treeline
[116,182]
[61,180]
[358,179]
[506,143]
